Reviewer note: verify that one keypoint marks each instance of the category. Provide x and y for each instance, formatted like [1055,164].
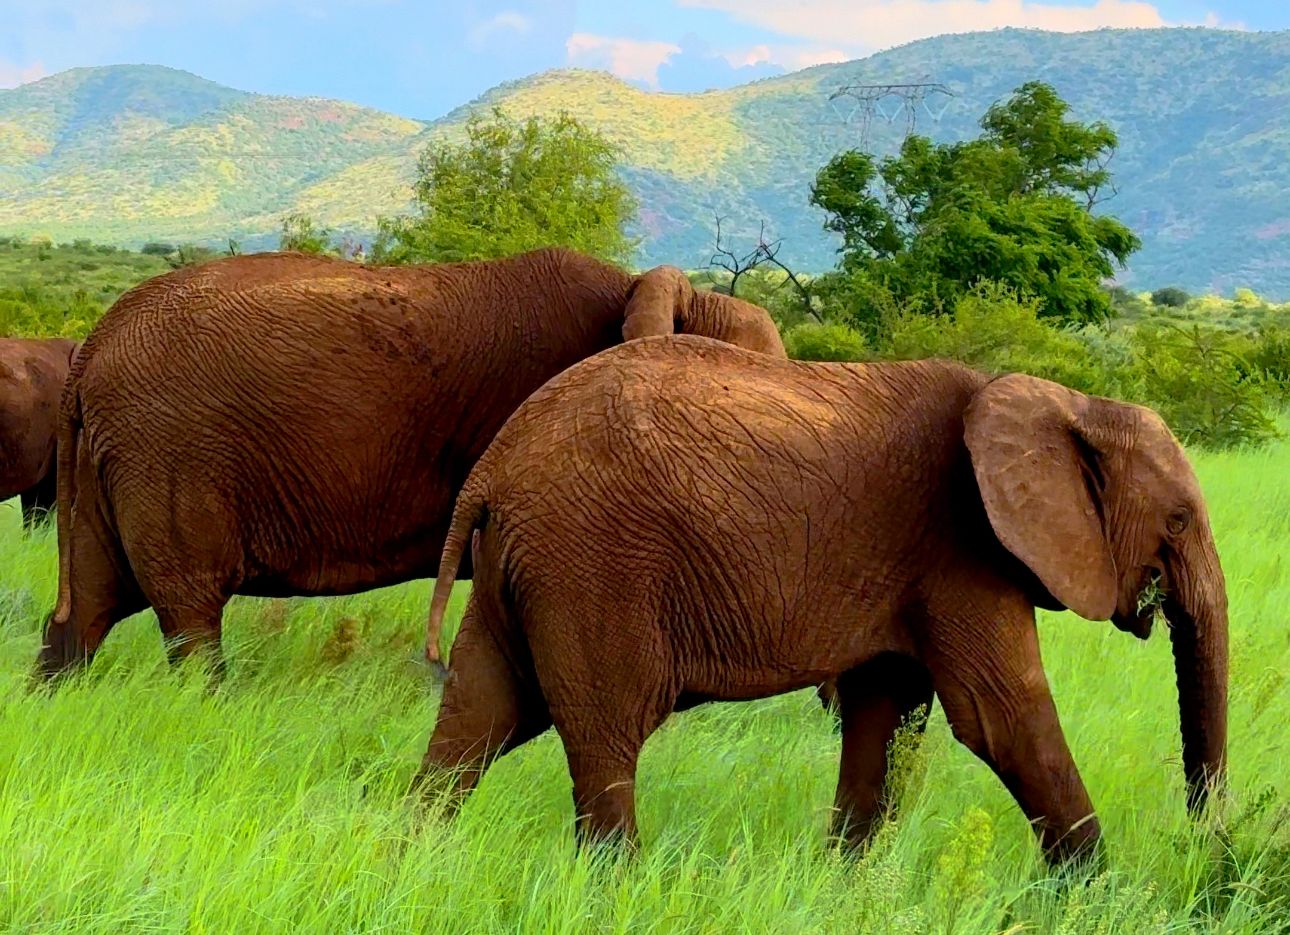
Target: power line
[867,101]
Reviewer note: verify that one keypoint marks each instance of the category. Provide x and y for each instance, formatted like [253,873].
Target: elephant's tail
[69,430]
[470,509]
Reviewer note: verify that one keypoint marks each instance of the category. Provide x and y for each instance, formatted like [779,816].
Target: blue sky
[420,58]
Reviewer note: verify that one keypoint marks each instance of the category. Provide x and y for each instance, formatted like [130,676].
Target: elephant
[282,424]
[32,373]
[674,522]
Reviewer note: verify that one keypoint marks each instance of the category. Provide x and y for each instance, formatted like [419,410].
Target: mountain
[131,153]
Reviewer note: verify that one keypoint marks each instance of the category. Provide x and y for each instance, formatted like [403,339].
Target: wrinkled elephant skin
[32,373]
[677,521]
[285,424]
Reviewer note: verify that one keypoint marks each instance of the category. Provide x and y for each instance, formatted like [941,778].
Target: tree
[301,233]
[1170,297]
[513,186]
[1014,206]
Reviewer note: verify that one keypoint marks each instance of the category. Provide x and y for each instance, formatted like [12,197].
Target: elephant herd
[657,509]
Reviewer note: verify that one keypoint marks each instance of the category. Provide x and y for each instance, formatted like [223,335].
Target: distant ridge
[131,153]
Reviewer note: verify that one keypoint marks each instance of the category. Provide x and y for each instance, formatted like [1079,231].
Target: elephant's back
[244,300]
[687,405]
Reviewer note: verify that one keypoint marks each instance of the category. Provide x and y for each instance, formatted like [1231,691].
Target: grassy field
[134,801]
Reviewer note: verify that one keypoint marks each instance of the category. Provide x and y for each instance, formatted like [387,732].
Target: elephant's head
[662,301]
[1098,500]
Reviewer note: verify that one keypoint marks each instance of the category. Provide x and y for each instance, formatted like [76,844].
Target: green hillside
[127,154]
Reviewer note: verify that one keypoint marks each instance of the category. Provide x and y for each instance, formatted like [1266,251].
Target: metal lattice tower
[867,101]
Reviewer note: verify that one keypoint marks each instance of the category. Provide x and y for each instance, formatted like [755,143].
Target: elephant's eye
[1178,521]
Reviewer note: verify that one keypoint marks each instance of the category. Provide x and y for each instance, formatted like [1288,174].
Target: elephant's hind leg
[103,590]
[491,705]
[605,701]
[190,630]
[873,700]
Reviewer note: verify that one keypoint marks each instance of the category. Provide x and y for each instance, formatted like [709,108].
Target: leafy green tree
[1014,206]
[1170,297]
[513,186]
[302,234]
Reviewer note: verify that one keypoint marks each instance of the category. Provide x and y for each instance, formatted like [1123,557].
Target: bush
[1268,356]
[303,235]
[190,255]
[831,341]
[995,330]
[1170,297]
[1247,298]
[1214,388]
[1200,383]
[156,248]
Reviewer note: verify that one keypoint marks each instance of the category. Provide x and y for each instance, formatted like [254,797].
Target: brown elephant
[284,424]
[674,521]
[32,373]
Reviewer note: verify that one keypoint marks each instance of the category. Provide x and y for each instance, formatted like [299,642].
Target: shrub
[156,248]
[1214,388]
[1247,298]
[995,330]
[303,235]
[1268,356]
[1170,297]
[190,255]
[829,341]
[1200,383]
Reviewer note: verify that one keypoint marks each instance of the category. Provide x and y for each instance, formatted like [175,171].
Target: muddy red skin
[32,373]
[283,424]
[677,521]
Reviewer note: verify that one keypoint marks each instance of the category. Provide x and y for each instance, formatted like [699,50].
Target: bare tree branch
[766,252]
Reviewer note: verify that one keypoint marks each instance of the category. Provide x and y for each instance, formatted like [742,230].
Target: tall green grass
[132,800]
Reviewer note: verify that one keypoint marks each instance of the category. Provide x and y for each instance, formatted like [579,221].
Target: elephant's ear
[658,299]
[1040,483]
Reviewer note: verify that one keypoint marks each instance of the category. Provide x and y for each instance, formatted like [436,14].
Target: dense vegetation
[1217,369]
[63,289]
[131,154]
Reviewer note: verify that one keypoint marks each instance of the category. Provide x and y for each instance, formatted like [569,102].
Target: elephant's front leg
[992,686]
[873,701]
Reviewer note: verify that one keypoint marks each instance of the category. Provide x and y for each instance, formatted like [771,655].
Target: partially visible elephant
[32,373]
[675,521]
[283,424]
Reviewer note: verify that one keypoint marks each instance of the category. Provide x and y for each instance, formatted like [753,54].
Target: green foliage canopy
[1014,206]
[1170,297]
[513,186]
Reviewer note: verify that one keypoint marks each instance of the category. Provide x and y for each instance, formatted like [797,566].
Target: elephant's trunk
[1198,631]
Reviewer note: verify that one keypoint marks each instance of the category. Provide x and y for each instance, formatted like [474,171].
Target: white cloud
[12,75]
[876,24]
[506,21]
[788,57]
[629,59]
